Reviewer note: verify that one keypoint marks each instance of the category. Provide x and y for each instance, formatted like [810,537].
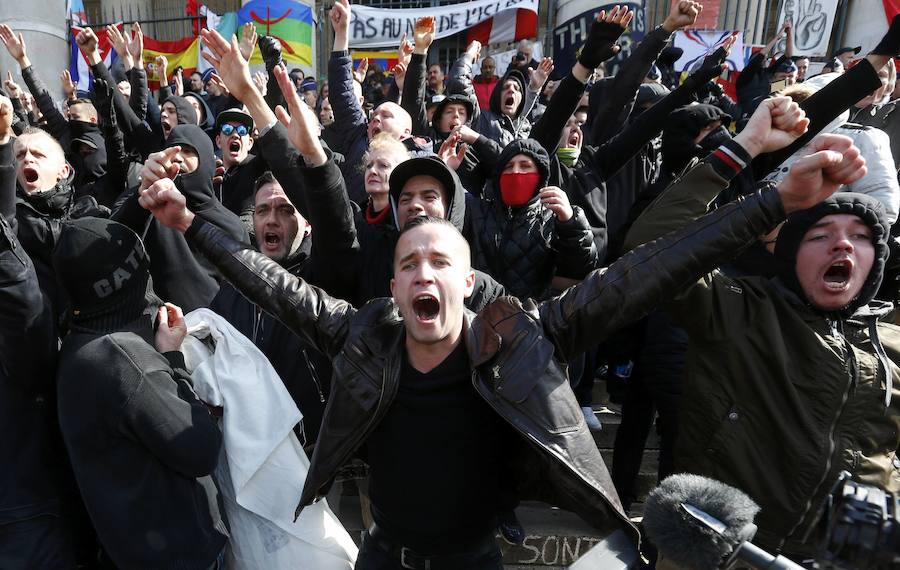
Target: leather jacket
[517,351]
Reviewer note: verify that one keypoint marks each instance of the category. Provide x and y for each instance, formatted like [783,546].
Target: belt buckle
[426,564]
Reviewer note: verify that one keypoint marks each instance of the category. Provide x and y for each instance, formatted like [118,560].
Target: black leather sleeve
[308,311]
[638,282]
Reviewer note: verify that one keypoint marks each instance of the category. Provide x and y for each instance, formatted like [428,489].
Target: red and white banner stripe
[506,26]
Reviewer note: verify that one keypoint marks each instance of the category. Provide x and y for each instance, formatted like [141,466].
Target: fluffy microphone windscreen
[680,537]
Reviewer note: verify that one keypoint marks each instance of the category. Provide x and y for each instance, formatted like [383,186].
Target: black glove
[710,68]
[103,97]
[599,44]
[270,49]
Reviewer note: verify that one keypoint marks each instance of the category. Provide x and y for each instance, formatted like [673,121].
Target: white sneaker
[591,418]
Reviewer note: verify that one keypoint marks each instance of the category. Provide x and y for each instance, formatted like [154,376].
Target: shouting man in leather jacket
[423,384]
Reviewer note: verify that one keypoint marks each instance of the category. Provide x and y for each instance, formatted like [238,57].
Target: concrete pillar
[44,26]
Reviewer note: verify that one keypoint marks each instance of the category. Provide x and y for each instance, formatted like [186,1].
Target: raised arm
[57,124]
[115,179]
[460,80]
[609,115]
[599,47]
[650,275]
[616,152]
[308,311]
[775,124]
[349,119]
[136,132]
[412,99]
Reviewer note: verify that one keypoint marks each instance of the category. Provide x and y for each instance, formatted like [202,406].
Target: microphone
[698,523]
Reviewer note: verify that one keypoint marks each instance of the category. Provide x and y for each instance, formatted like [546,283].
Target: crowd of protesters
[438,265]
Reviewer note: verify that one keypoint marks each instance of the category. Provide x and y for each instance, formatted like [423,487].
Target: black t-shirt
[435,460]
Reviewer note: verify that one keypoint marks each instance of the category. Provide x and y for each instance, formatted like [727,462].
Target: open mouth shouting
[30,174]
[837,276]
[271,241]
[234,147]
[426,308]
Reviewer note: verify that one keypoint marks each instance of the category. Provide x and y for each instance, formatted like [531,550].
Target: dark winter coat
[526,246]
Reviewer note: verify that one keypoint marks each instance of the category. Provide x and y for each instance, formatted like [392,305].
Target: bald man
[349,117]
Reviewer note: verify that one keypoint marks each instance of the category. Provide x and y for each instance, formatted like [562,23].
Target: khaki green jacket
[778,398]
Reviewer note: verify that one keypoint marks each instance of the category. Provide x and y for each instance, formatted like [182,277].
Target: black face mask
[715,139]
[79,128]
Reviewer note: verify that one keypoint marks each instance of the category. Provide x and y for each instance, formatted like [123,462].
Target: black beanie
[104,269]
[868,209]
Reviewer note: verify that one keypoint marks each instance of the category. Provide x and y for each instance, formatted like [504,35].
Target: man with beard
[285,237]
[418,368]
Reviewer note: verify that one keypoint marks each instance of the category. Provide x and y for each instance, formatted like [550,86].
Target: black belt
[412,560]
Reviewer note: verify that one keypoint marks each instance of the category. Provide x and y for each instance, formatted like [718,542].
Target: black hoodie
[139,439]
[526,246]
[180,274]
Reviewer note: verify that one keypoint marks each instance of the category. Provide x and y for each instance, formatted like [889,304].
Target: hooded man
[452,114]
[137,435]
[797,366]
[418,368]
[205,118]
[178,272]
[525,232]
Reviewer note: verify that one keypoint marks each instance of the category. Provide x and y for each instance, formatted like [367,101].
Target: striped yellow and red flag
[183,53]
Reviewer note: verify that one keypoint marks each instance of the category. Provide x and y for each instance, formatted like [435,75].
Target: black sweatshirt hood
[516,76]
[184,111]
[431,166]
[89,167]
[207,121]
[199,181]
[455,98]
[868,209]
[105,271]
[530,148]
[682,127]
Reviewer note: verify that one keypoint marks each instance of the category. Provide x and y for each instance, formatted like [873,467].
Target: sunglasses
[228,129]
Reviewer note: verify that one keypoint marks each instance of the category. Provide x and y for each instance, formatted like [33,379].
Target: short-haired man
[485,81]
[802,63]
[434,80]
[195,84]
[38,491]
[284,236]
[418,368]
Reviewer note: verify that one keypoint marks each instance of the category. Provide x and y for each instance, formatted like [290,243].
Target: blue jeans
[372,557]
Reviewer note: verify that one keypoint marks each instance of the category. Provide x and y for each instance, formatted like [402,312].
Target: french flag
[506,26]
[78,65]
